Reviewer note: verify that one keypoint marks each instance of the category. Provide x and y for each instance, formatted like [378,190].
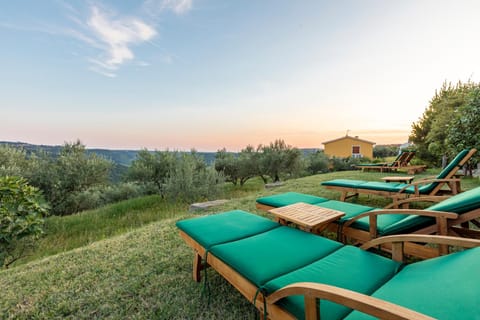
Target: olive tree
[279,159]
[464,128]
[429,133]
[22,213]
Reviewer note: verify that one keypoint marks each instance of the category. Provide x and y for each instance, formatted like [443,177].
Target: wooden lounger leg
[197,267]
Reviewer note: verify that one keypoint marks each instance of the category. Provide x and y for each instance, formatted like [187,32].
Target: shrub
[317,162]
[342,164]
[191,180]
[22,213]
[98,196]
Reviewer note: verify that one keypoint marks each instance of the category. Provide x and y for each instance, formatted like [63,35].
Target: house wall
[342,148]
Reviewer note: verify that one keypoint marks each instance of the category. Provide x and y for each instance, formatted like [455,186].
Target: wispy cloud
[111,35]
[156,7]
[117,34]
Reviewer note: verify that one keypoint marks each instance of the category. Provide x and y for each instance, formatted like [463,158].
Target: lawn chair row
[402,159]
[291,274]
[452,216]
[401,162]
[432,187]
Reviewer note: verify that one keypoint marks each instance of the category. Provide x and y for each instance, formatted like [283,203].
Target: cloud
[109,36]
[178,6]
[117,35]
[155,7]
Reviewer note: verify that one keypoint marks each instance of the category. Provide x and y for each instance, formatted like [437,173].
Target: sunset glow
[213,74]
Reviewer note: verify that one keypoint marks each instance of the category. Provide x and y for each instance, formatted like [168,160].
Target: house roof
[348,137]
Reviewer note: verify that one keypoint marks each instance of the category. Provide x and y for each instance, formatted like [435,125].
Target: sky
[182,74]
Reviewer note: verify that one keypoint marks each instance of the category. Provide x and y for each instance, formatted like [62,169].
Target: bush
[22,213]
[98,196]
[342,164]
[317,162]
[191,180]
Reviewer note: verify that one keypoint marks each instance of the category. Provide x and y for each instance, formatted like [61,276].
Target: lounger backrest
[460,203]
[458,161]
[450,170]
[397,159]
[407,159]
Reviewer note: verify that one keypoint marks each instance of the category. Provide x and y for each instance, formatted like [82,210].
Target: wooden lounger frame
[447,223]
[450,180]
[314,291]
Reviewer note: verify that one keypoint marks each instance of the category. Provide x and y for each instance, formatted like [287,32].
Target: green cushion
[225,227]
[382,186]
[287,198]
[344,183]
[422,189]
[453,164]
[443,288]
[350,209]
[394,223]
[349,267]
[271,254]
[460,203]
[373,164]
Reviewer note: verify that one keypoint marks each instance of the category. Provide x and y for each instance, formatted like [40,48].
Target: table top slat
[306,215]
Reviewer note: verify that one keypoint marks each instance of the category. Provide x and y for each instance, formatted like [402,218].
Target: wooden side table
[405,179]
[308,217]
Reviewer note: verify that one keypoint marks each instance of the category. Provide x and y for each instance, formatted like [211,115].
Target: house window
[356,152]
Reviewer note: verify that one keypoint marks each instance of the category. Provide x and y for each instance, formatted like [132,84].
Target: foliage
[101,195]
[152,168]
[60,178]
[21,215]
[318,162]
[385,151]
[191,180]
[241,167]
[342,164]
[228,164]
[249,164]
[464,129]
[72,172]
[175,175]
[429,134]
[13,161]
[279,159]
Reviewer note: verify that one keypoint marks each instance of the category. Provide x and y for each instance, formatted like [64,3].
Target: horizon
[184,150]
[183,74]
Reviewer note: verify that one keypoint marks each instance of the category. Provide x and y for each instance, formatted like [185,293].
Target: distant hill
[122,158]
[119,157]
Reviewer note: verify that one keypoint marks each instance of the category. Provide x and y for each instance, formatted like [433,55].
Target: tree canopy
[448,123]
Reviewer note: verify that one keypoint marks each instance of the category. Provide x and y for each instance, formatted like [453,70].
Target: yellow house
[349,147]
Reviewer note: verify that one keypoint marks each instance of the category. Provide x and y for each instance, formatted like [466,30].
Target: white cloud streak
[178,6]
[111,35]
[117,34]
[154,8]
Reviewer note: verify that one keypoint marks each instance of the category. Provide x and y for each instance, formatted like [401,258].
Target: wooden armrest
[418,183]
[423,238]
[419,212]
[399,203]
[440,217]
[351,299]
[435,180]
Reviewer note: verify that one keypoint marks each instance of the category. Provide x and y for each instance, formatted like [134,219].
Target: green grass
[127,261]
[70,232]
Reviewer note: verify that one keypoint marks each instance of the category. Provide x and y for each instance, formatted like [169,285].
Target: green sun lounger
[450,216]
[397,191]
[263,260]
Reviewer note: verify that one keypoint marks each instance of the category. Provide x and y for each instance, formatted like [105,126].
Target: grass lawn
[127,261]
